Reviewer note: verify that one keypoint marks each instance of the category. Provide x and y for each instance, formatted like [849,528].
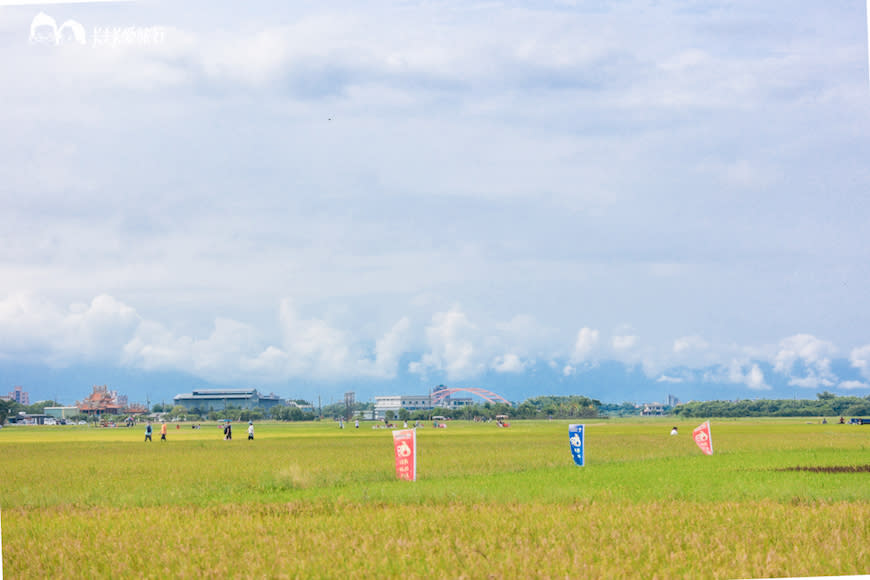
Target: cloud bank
[450,346]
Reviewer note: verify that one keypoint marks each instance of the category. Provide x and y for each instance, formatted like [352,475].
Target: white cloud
[509,363]
[688,344]
[853,385]
[390,347]
[860,359]
[451,340]
[89,332]
[624,342]
[313,346]
[753,378]
[156,348]
[584,346]
[802,347]
[811,356]
[309,347]
[106,329]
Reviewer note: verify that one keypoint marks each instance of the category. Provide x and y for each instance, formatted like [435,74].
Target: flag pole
[709,431]
[1,544]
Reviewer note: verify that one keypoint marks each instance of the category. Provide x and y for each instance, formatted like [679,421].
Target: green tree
[526,410]
[178,411]
[389,415]
[38,408]
[861,409]
[296,414]
[6,409]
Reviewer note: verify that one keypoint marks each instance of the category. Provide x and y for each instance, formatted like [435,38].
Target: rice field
[311,500]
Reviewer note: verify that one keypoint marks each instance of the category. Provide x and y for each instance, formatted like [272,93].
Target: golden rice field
[315,501]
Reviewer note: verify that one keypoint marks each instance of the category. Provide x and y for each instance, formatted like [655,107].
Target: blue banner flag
[577,437]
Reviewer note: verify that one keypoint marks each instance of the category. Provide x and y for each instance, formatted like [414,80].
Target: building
[304,407]
[415,403]
[204,400]
[100,401]
[103,401]
[19,395]
[652,409]
[32,419]
[61,412]
[395,402]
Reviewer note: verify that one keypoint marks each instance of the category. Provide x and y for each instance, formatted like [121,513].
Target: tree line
[542,407]
[824,405]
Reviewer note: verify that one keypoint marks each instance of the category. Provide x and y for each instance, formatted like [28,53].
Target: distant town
[105,406]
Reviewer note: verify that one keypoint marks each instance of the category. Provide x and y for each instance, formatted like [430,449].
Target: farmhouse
[220,399]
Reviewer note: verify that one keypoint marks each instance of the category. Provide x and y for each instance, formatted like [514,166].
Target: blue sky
[610,198]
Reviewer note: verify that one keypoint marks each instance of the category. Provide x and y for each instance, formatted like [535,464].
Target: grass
[315,501]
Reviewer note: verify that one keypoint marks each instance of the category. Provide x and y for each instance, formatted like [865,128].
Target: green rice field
[314,501]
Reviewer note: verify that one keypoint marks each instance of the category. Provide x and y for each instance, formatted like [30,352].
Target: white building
[301,407]
[395,402]
[650,409]
[415,403]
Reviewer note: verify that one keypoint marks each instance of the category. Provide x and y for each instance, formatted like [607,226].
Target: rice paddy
[778,498]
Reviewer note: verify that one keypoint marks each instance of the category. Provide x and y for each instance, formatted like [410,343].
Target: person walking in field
[228,431]
[250,430]
[148,431]
[163,431]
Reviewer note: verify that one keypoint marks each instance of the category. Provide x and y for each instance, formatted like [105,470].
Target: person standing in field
[674,430]
[229,431]
[163,431]
[250,430]
[148,431]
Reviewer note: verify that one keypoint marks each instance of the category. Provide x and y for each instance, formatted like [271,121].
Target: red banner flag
[405,443]
[702,437]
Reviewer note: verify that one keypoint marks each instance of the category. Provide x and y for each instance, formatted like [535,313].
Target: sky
[620,199]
